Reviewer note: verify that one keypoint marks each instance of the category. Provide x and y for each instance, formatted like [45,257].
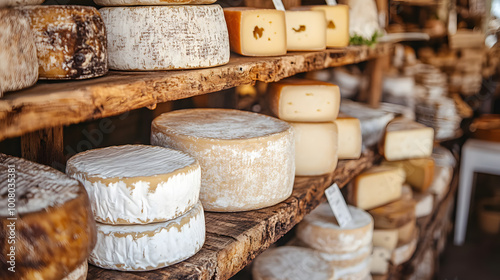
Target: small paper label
[331,2]
[338,205]
[278,4]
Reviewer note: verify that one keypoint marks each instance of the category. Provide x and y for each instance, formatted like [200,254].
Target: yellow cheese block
[419,172]
[350,139]
[305,30]
[394,214]
[337,25]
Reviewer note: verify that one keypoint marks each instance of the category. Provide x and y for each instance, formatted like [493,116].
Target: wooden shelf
[234,239]
[421,3]
[50,104]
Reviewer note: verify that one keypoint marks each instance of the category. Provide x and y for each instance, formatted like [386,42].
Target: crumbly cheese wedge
[137,184]
[394,214]
[305,30]
[315,148]
[404,252]
[19,64]
[385,238]
[377,186]
[166,37]
[425,204]
[12,3]
[337,24]
[80,273]
[320,230]
[149,247]
[54,227]
[380,260]
[247,159]
[70,41]
[406,139]
[407,232]
[291,263]
[108,3]
[301,100]
[350,140]
[256,32]
[419,172]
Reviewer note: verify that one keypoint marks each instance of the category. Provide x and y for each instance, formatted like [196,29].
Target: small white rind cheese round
[247,159]
[149,247]
[320,230]
[291,263]
[137,184]
[146,38]
[348,259]
[54,230]
[108,3]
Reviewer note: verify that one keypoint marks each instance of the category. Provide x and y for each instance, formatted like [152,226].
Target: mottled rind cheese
[70,41]
[12,3]
[291,263]
[256,32]
[149,247]
[247,159]
[350,140]
[18,61]
[320,230]
[108,3]
[146,38]
[80,273]
[54,226]
[305,30]
[137,184]
[394,214]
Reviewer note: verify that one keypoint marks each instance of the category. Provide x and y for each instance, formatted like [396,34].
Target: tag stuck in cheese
[305,30]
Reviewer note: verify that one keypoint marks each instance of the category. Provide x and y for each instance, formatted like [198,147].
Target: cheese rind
[256,32]
[19,64]
[51,210]
[12,3]
[359,271]
[346,260]
[337,25]
[320,231]
[305,30]
[349,137]
[404,252]
[419,172]
[172,37]
[315,148]
[394,214]
[80,273]
[149,247]
[108,3]
[301,100]
[247,159]
[425,204]
[70,41]
[137,184]
[385,238]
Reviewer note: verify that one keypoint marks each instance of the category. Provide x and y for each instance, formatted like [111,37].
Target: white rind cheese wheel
[291,263]
[70,41]
[247,159]
[80,273]
[137,184]
[359,271]
[166,37]
[149,247]
[12,3]
[53,227]
[346,260]
[108,3]
[18,61]
[320,230]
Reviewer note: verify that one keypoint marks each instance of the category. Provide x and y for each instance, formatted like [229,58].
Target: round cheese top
[129,161]
[35,187]
[223,124]
[323,217]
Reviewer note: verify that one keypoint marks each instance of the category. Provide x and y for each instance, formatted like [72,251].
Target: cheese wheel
[166,37]
[350,140]
[380,260]
[48,215]
[137,184]
[337,24]
[320,230]
[386,238]
[404,252]
[347,260]
[406,232]
[70,41]
[291,263]
[419,172]
[247,159]
[305,30]
[394,214]
[80,273]
[424,204]
[149,247]
[359,271]
[12,3]
[151,2]
[18,61]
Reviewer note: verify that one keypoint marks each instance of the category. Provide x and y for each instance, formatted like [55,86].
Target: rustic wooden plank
[235,239]
[44,146]
[51,104]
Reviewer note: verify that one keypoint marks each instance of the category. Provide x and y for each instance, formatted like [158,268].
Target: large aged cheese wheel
[13,3]
[151,2]
[48,215]
[247,159]
[137,184]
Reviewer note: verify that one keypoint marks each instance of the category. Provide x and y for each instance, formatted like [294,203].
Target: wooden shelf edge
[50,104]
[235,239]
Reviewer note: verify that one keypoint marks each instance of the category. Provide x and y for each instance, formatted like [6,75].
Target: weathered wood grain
[235,239]
[50,104]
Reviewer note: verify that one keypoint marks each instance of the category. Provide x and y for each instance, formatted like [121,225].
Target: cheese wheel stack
[49,218]
[145,200]
[145,35]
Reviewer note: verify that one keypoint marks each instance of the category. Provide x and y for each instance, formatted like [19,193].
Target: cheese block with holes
[301,100]
[149,247]
[394,214]
[256,32]
[137,184]
[247,159]
[320,230]
[305,30]
[144,38]
[419,172]
[53,227]
[18,60]
[70,41]
[337,24]
[350,140]
[108,3]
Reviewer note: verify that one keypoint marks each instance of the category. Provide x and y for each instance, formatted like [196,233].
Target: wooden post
[375,71]
[44,146]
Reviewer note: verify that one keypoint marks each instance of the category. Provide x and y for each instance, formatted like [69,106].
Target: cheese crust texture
[108,3]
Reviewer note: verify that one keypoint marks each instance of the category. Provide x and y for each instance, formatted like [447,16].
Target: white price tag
[338,205]
[331,2]
[278,4]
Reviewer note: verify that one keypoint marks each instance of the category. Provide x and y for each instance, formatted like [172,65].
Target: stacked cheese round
[246,158]
[144,198]
[49,217]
